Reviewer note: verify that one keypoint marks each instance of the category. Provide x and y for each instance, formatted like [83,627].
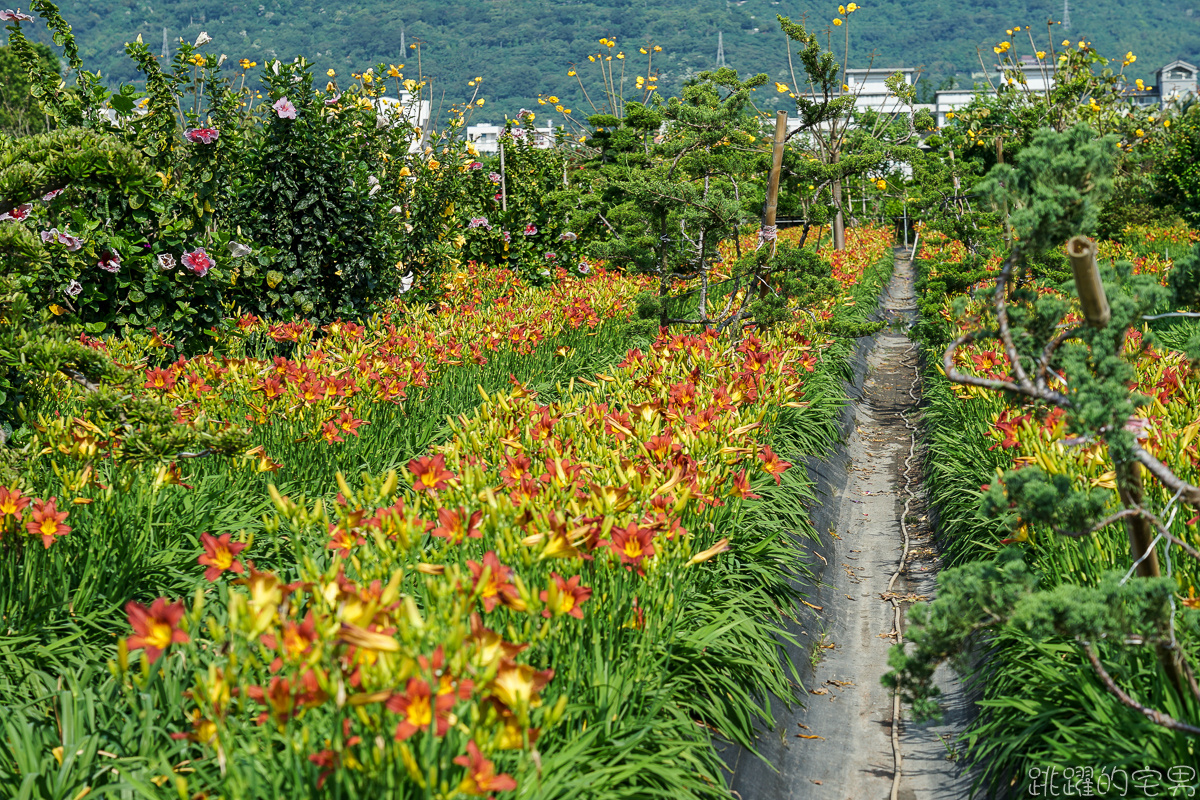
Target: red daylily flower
[661,447]
[518,467]
[270,387]
[12,504]
[481,777]
[430,473]
[219,554]
[498,588]
[564,597]
[419,708]
[348,423]
[772,463]
[741,487]
[277,697]
[155,628]
[328,760]
[159,378]
[47,521]
[633,543]
[1008,424]
[457,526]
[331,433]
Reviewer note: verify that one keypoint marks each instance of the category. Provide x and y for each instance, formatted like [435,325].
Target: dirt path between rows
[841,746]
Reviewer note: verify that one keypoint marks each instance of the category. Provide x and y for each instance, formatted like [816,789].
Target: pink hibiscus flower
[198,261]
[203,135]
[284,108]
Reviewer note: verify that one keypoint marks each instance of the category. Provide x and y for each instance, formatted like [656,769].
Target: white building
[1176,81]
[405,110]
[870,86]
[486,135]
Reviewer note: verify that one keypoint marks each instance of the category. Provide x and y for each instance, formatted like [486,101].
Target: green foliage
[667,205]
[1056,187]
[1177,174]
[937,282]
[35,349]
[1185,281]
[522,47]
[792,274]
[1043,610]
[19,114]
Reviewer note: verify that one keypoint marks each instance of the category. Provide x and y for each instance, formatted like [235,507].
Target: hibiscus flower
[198,261]
[202,135]
[110,261]
[284,108]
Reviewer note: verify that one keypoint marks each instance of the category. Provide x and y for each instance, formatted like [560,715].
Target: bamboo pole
[768,226]
[1082,253]
[503,182]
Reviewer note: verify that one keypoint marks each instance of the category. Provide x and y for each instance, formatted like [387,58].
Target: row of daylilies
[1168,425]
[327,383]
[437,606]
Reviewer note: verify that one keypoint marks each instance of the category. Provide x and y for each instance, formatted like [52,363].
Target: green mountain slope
[522,47]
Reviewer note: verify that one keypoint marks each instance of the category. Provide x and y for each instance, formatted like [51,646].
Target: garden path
[841,746]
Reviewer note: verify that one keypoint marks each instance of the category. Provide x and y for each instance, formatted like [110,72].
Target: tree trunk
[1141,546]
[839,224]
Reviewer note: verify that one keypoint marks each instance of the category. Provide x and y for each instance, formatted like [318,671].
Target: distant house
[1176,81]
[486,136]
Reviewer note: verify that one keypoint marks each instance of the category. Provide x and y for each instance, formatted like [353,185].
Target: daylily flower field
[466,550]
[353,446]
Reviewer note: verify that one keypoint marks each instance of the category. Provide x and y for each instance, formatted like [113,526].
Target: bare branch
[1155,716]
[1048,353]
[953,374]
[79,378]
[1001,304]
[1102,524]
[1191,314]
[1166,534]
[1189,493]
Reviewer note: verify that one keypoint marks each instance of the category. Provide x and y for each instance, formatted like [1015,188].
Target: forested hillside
[522,47]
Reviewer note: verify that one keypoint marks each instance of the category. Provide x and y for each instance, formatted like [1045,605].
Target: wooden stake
[503,182]
[781,120]
[1082,253]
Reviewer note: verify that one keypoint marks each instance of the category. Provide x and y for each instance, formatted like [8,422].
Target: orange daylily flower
[740,487]
[219,554]
[772,463]
[430,473]
[633,543]
[457,526]
[418,709]
[12,504]
[155,628]
[517,685]
[481,778]
[47,521]
[498,588]
[564,597]
[159,378]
